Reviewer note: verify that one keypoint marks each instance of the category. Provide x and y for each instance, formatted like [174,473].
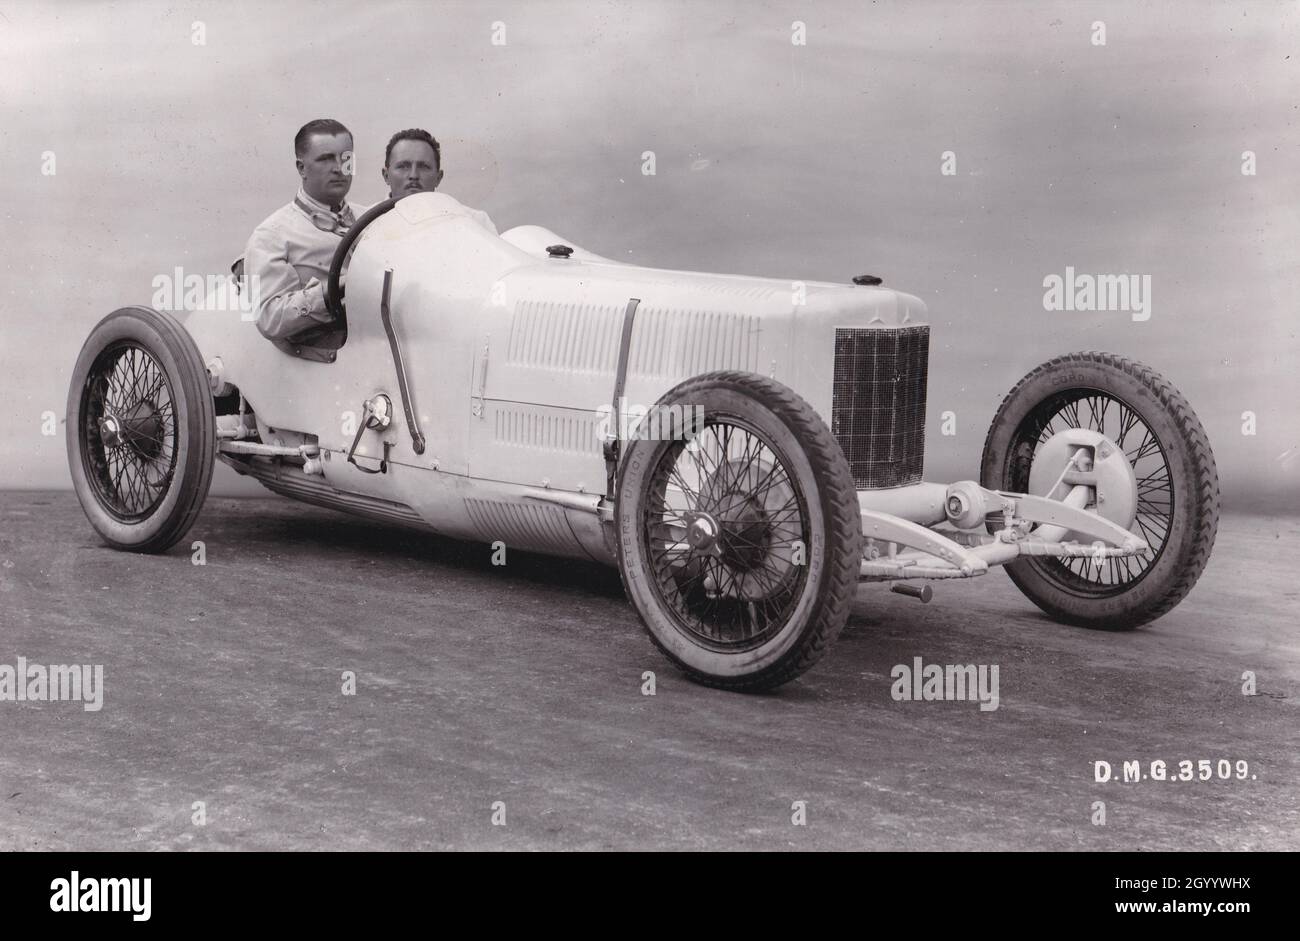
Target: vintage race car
[745,450]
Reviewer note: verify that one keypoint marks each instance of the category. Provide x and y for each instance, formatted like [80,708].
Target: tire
[1179,520]
[783,482]
[141,430]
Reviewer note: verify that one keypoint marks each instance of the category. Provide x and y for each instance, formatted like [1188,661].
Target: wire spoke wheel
[141,430]
[739,544]
[724,526]
[1107,414]
[1177,486]
[129,431]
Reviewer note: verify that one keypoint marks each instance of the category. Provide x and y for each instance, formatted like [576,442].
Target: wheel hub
[702,531]
[744,531]
[110,432]
[733,530]
[140,427]
[1115,482]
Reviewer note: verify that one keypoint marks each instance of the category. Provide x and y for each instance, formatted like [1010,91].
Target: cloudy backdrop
[816,161]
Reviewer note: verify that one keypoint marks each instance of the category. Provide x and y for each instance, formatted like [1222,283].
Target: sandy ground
[522,684]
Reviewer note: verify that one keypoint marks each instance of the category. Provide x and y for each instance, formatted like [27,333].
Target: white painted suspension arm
[885,528]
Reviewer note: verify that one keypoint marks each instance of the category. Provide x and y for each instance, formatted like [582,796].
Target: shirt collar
[320,206]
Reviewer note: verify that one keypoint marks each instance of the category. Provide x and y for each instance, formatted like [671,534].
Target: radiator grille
[878,403]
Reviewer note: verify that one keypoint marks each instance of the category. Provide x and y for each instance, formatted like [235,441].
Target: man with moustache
[290,252]
[413,164]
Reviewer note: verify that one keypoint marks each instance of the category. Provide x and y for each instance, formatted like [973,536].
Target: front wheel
[739,531]
[141,430]
[1176,505]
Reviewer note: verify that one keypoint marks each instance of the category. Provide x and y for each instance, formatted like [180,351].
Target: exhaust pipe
[922,592]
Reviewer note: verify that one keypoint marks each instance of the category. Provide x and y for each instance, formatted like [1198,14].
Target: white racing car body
[744,449]
[512,356]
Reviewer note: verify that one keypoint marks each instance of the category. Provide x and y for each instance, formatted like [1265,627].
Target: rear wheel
[740,547]
[141,431]
[1177,505]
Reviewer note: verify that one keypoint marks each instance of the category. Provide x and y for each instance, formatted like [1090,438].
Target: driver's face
[326,167]
[412,168]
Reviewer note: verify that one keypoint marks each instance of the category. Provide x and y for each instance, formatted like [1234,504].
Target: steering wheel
[334,290]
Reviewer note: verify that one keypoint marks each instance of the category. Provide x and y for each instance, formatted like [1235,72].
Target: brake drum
[1116,492]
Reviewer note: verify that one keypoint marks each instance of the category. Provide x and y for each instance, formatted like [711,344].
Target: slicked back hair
[413,133]
[319,126]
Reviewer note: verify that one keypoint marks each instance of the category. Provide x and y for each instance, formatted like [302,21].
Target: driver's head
[412,163]
[323,149]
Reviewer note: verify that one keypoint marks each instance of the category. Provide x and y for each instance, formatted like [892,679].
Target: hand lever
[412,424]
[376,413]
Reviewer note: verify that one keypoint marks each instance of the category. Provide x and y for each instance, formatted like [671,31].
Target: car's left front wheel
[141,430]
[739,531]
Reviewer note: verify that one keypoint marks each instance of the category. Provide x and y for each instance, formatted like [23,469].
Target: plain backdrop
[815,161]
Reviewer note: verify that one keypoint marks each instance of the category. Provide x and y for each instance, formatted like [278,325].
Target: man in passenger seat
[413,164]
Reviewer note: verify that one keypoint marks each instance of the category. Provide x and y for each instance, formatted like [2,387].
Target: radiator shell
[878,402]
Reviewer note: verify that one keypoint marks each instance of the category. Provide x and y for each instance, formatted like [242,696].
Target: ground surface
[523,684]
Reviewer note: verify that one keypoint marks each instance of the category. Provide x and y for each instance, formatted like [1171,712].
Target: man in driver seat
[291,251]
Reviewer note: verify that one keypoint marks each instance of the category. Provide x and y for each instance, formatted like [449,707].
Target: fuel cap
[559,251]
[866,279]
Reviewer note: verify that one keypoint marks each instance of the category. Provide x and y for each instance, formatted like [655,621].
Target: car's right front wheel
[1174,485]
